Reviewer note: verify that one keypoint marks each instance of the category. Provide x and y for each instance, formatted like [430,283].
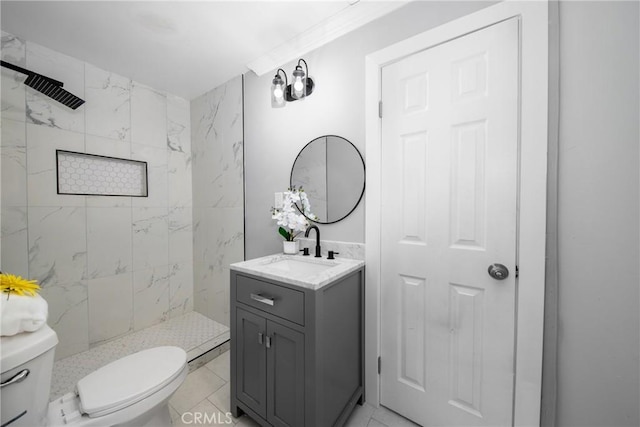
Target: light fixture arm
[306,67]
[286,80]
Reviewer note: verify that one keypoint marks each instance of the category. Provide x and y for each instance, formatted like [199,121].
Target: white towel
[22,313]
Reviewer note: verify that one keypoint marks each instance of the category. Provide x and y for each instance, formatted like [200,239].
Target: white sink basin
[301,266]
[305,271]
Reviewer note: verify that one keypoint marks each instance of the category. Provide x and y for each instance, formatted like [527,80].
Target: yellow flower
[16,284]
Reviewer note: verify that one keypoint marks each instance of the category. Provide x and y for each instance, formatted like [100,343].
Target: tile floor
[205,393]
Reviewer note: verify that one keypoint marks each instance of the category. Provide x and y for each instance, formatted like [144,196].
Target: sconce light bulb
[278,92]
[298,85]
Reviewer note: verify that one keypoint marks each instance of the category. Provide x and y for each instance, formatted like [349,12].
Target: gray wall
[597,185]
[274,136]
[598,215]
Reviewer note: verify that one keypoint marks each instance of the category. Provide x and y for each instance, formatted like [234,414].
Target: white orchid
[289,219]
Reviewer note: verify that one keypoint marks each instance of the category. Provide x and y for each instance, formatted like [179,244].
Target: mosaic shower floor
[195,333]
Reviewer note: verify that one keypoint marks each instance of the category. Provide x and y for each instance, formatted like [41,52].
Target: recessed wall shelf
[94,175]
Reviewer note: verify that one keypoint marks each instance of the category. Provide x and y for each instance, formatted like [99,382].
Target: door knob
[498,271]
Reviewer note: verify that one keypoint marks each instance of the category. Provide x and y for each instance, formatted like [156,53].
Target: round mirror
[330,169]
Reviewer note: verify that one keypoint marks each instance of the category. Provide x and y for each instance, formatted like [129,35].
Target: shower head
[48,86]
[52,90]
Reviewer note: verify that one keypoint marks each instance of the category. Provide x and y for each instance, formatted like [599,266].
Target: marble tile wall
[218,195]
[107,265]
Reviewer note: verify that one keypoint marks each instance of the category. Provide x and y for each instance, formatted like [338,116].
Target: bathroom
[216,152]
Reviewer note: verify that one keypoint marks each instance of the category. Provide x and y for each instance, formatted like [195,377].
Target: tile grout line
[86,209]
[131,326]
[26,172]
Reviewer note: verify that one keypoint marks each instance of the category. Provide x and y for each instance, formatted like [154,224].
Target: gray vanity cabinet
[277,367]
[296,353]
[251,377]
[285,376]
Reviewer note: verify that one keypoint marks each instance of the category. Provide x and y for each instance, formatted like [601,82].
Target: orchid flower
[289,219]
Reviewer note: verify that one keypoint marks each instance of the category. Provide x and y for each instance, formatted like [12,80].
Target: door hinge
[380,109]
[517,271]
[379,365]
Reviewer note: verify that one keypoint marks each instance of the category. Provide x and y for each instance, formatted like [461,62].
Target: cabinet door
[251,362]
[285,376]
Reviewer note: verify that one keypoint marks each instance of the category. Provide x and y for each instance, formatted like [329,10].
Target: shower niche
[94,175]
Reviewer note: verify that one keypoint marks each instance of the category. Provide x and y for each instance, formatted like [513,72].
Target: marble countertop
[274,267]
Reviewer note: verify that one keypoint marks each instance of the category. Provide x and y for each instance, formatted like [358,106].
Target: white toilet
[132,391]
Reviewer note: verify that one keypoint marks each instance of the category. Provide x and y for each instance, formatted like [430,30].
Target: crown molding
[350,18]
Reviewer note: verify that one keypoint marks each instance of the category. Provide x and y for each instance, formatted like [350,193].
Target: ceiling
[186,47]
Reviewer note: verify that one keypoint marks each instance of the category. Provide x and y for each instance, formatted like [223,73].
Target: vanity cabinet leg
[236,412]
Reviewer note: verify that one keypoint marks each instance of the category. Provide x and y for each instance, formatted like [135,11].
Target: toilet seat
[131,392]
[143,406]
[129,380]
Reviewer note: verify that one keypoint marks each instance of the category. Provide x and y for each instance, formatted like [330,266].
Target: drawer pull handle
[268,343]
[20,376]
[260,337]
[260,298]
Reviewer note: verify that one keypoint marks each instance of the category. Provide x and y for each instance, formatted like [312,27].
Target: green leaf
[284,233]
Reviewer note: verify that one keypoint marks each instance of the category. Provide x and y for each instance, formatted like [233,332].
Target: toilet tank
[24,401]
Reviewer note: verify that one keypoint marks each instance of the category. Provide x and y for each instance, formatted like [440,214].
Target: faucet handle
[305,251]
[331,254]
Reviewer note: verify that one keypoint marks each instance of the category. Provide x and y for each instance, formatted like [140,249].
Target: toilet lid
[129,380]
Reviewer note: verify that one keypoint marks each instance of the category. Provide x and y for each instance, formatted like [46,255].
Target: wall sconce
[300,87]
[278,89]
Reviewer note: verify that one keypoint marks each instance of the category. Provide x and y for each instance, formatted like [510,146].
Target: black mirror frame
[364,180]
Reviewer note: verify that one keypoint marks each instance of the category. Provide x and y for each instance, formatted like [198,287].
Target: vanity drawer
[277,300]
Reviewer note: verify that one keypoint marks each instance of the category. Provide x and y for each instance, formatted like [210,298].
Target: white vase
[291,247]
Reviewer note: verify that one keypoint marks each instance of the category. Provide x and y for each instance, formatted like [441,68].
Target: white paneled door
[449,202]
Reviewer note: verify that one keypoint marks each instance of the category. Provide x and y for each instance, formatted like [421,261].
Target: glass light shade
[299,84]
[277,92]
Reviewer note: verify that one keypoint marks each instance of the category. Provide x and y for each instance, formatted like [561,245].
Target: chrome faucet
[306,234]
